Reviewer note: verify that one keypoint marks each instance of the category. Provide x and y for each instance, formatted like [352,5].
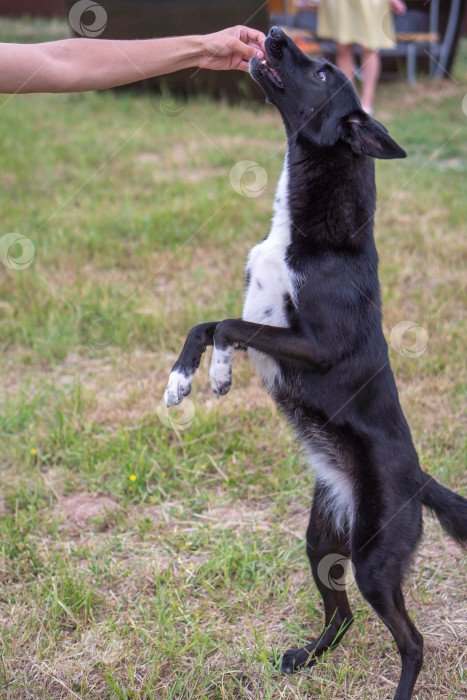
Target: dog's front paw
[178,387]
[221,370]
[294,659]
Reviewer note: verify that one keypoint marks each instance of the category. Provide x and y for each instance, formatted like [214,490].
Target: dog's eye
[321,75]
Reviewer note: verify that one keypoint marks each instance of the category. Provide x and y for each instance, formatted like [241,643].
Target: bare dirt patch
[240,515]
[194,174]
[82,508]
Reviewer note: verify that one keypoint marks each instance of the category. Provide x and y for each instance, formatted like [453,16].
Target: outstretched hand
[231,48]
[398,7]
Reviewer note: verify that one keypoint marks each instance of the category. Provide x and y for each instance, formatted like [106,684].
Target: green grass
[139,561]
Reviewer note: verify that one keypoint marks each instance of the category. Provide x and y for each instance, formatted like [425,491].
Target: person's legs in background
[370,70]
[371,66]
[345,60]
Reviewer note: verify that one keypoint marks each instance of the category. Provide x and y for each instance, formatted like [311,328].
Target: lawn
[142,561]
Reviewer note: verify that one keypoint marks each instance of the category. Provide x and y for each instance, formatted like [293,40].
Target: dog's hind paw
[221,370]
[178,388]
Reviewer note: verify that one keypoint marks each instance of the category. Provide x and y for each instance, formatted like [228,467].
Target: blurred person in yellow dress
[366,23]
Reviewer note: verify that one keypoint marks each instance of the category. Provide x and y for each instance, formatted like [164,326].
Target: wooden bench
[417,32]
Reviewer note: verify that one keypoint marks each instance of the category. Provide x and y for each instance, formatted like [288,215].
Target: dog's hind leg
[378,572]
[328,555]
[184,369]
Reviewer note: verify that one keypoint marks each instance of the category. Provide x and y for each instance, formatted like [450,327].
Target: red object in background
[33,8]
[306,45]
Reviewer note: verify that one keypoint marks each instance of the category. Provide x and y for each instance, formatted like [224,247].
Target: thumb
[245,50]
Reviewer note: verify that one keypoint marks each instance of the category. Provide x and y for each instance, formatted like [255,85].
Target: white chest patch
[338,504]
[270,279]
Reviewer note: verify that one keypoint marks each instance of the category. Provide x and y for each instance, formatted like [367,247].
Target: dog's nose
[276,33]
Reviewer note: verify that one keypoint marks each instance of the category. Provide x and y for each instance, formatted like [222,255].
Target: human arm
[75,65]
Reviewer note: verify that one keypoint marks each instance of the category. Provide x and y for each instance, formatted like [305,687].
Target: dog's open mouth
[269,70]
[272,72]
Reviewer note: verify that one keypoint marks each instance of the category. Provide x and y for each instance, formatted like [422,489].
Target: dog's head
[316,100]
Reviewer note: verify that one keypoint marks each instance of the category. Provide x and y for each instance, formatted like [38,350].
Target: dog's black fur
[334,381]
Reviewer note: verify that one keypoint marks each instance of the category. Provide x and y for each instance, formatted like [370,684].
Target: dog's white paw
[221,370]
[178,387]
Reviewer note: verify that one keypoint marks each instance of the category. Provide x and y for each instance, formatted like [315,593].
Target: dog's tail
[450,508]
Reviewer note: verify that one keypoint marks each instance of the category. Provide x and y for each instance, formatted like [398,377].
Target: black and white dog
[312,324]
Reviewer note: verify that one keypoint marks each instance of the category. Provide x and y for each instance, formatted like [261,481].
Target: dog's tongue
[271,70]
[277,77]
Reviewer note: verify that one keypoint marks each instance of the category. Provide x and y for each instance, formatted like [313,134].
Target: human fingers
[253,36]
[241,65]
[246,51]
[398,7]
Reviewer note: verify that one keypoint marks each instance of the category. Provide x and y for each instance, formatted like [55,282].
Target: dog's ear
[366,135]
